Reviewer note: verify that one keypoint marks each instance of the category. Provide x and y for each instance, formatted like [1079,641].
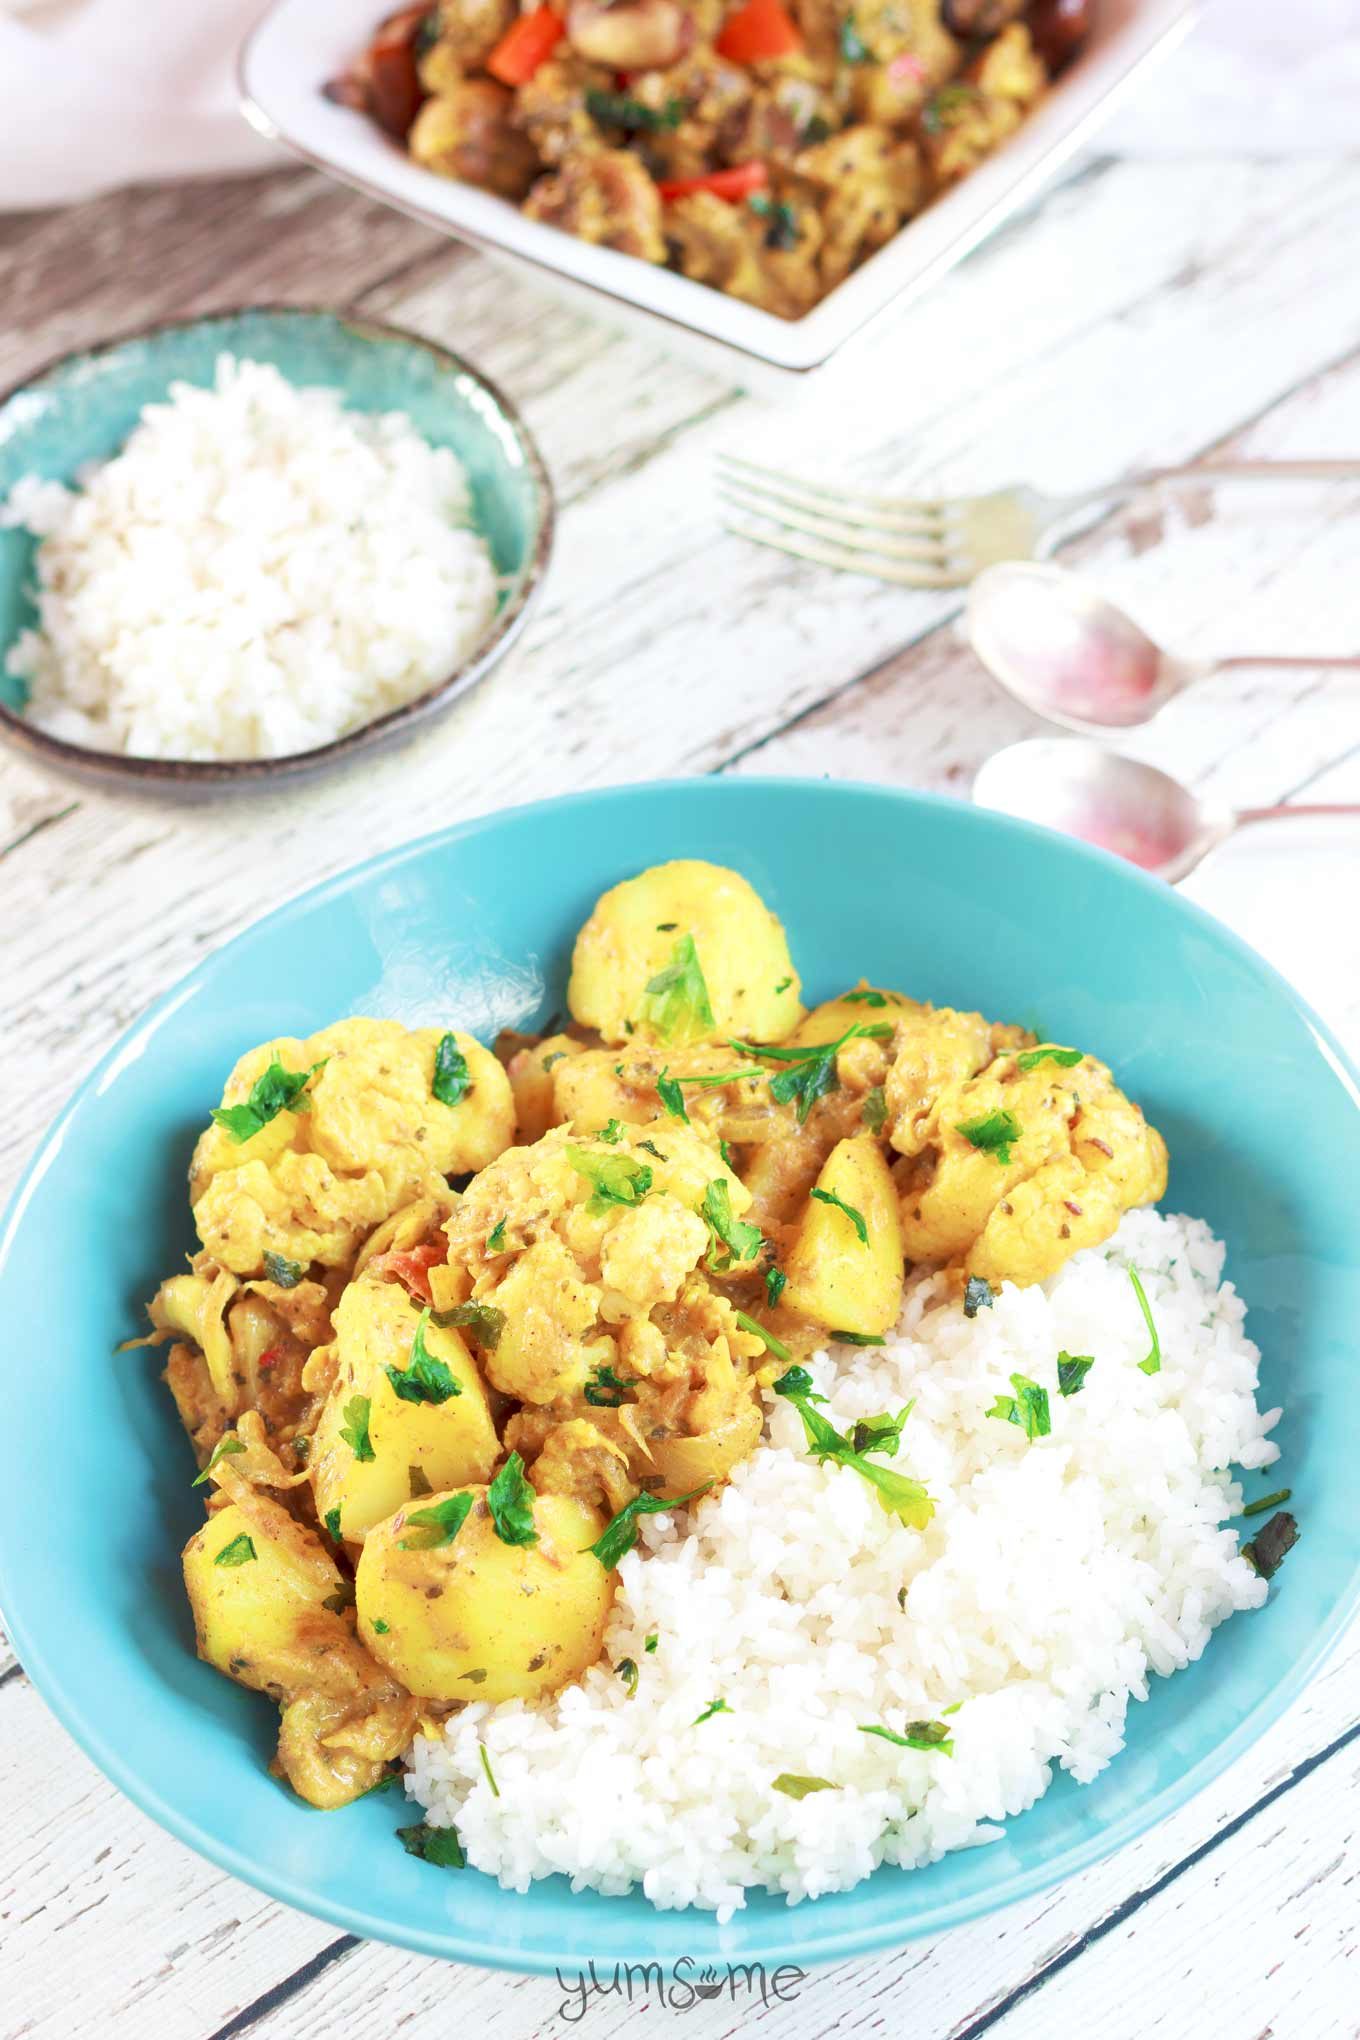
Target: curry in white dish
[763,147]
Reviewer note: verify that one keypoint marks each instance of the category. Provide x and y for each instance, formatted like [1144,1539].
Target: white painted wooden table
[1148,311]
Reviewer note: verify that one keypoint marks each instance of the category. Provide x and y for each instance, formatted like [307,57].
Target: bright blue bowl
[79,411]
[475,926]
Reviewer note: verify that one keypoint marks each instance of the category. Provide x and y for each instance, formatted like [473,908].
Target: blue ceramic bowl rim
[245,773]
[929,1918]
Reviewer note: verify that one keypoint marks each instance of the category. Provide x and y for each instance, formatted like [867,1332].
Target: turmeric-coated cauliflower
[364,1135]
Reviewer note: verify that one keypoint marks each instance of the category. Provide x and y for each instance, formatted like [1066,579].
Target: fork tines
[918,543]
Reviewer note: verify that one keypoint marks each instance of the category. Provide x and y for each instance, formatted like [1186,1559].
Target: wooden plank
[168,251]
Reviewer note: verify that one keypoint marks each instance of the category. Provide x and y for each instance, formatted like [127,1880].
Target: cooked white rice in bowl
[1057,1573]
[258,572]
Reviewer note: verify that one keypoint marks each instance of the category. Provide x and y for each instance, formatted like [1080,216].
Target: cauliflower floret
[364,1137]
[647,1253]
[1017,1169]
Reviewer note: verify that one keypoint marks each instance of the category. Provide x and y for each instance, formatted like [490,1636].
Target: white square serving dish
[300,44]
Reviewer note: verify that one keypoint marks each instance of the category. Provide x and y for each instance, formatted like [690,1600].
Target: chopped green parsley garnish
[380,1628]
[797,1381]
[1065,1058]
[853,47]
[426,1378]
[931,1736]
[511,1502]
[495,1239]
[614,1179]
[490,1774]
[483,1320]
[280,1270]
[672,1097]
[611,1134]
[1272,1544]
[239,1552]
[225,1448]
[628,1672]
[437,1845]
[620,1534]
[873,1111]
[947,107]
[1258,1508]
[606,1390]
[809,1073]
[856,1218]
[1027,1408]
[621,110]
[776,1281]
[1073,1369]
[439,1524]
[880,1434]
[650,1147]
[278,1090]
[650,1645]
[1153,1363]
[858,1339]
[793,1786]
[725,1151]
[900,1496]
[676,1002]
[993,1133]
[977,1295]
[731,1238]
[713,1707]
[452,1079]
[782,986]
[331,1519]
[781,220]
[865,998]
[354,1430]
[666,927]
[758,1331]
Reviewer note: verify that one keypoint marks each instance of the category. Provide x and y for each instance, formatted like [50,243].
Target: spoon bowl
[1115,803]
[1059,647]
[1121,804]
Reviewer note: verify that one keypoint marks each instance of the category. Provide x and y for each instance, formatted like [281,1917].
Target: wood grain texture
[1144,313]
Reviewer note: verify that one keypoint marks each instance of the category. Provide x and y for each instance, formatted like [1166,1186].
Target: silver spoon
[1117,803]
[1069,655]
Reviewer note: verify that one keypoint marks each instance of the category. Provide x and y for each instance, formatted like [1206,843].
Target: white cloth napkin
[98,93]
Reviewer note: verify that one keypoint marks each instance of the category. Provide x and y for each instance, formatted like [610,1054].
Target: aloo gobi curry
[459,1319]
[764,147]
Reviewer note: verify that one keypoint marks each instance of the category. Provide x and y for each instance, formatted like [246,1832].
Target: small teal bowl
[475,925]
[81,409]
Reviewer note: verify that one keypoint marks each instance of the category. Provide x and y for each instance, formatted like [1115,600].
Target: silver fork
[944,542]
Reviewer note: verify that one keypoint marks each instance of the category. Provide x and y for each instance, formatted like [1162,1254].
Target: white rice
[1055,1576]
[259,570]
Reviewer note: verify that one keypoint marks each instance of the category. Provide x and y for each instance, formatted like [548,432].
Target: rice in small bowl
[248,545]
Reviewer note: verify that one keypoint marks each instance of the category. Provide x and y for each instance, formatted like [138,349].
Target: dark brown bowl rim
[246,772]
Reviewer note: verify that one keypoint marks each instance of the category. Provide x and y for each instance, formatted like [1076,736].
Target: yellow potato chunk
[1051,1160]
[532,1079]
[265,1595]
[366,1137]
[835,1277]
[404,1447]
[653,930]
[478,1619]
